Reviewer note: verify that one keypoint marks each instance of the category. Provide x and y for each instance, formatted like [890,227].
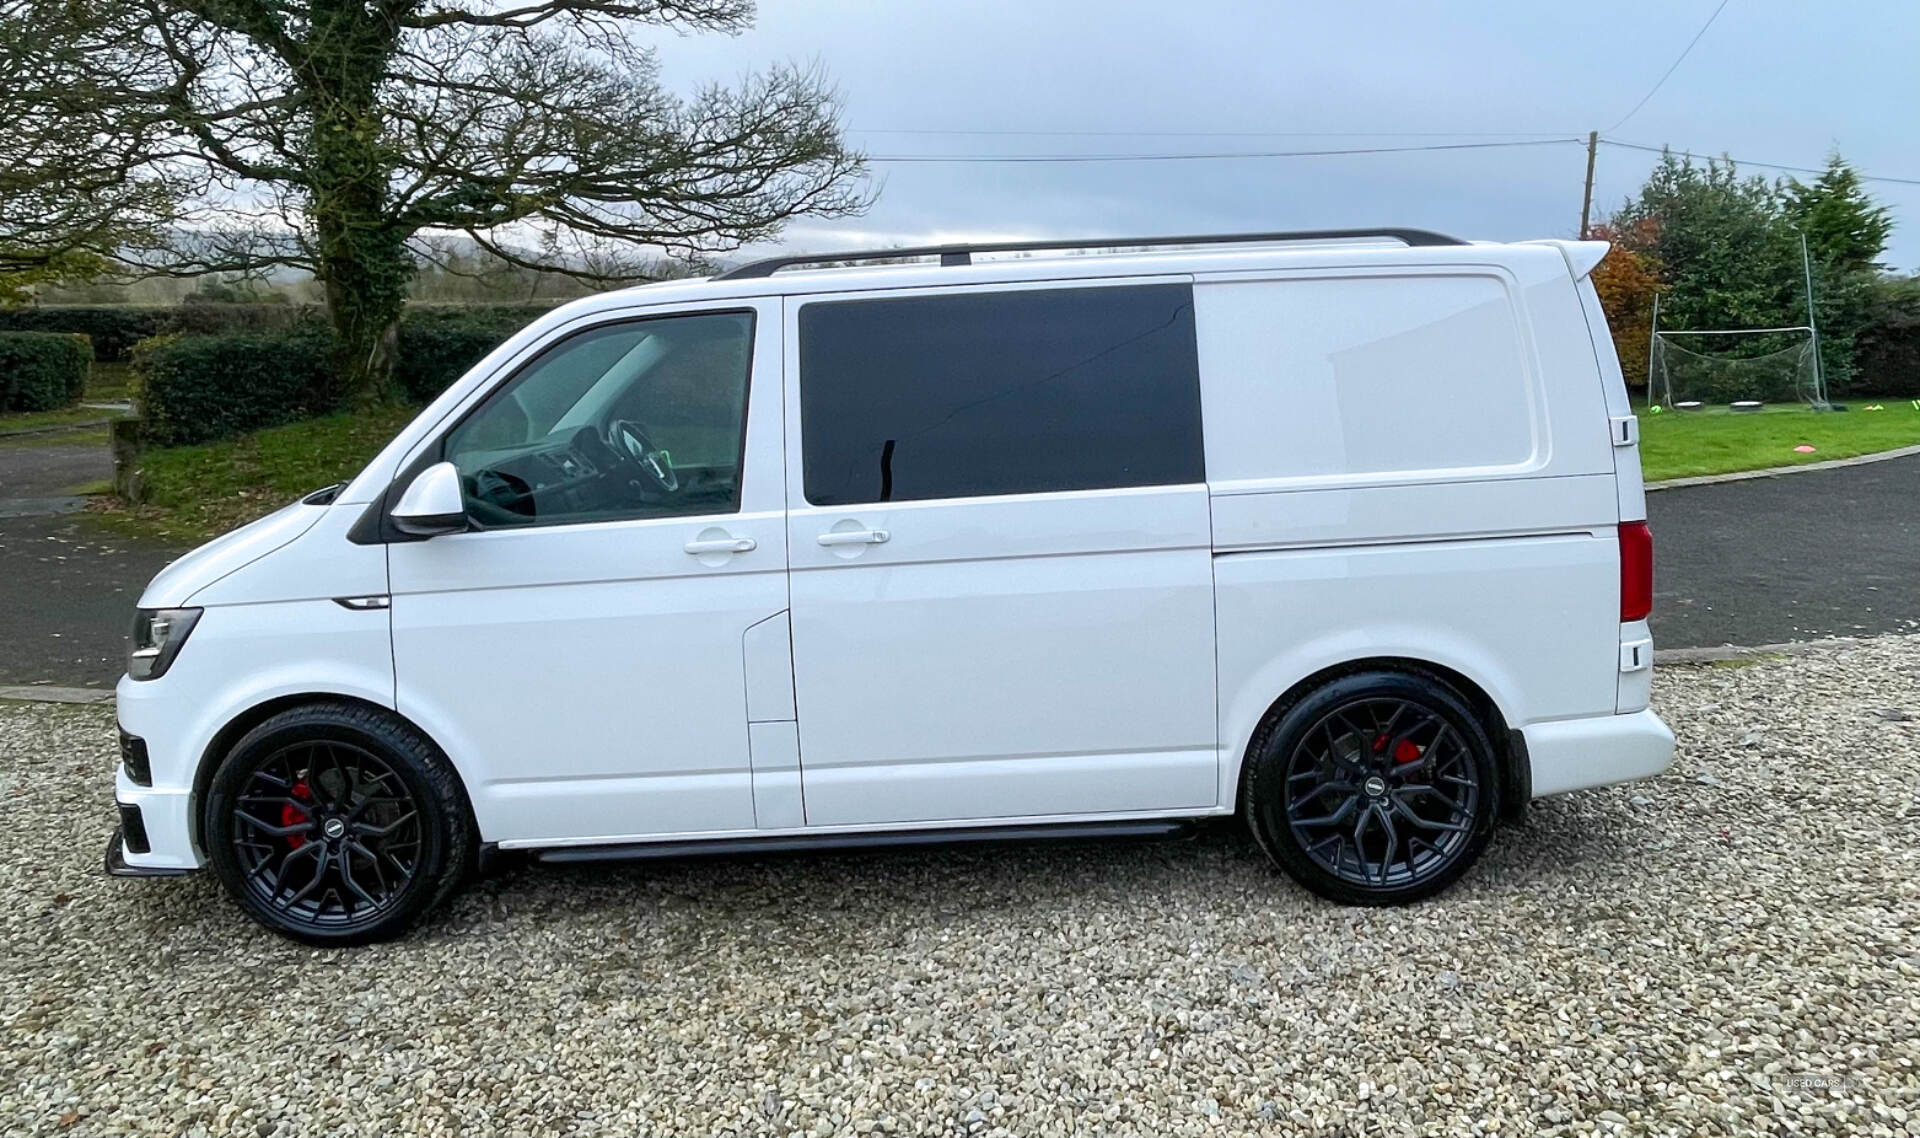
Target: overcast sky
[1771,80]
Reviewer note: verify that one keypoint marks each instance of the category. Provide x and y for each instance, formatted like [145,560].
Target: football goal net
[1717,368]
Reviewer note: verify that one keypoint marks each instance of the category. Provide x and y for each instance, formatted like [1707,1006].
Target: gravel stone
[1737,960]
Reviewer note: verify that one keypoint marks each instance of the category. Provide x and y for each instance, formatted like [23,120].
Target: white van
[1338,532]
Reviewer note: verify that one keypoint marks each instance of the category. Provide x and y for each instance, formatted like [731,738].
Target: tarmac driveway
[1794,557]
[67,588]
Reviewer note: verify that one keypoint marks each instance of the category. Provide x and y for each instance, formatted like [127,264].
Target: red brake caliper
[291,815]
[1403,752]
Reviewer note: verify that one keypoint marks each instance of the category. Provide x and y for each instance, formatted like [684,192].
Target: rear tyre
[336,824]
[1379,788]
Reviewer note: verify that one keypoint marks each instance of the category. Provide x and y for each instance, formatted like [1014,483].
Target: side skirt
[1065,831]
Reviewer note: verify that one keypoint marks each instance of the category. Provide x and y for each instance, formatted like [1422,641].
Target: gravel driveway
[1728,949]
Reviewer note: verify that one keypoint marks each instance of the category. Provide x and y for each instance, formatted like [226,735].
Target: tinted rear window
[999,393]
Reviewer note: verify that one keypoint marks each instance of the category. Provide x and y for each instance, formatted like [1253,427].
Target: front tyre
[1379,788]
[337,824]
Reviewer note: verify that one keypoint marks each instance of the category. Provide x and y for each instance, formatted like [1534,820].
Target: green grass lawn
[20,421]
[198,492]
[1682,444]
[109,383]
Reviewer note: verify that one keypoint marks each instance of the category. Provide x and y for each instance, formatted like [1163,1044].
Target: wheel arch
[1516,775]
[253,716]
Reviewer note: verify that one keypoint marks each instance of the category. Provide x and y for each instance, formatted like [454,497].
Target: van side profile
[1341,533]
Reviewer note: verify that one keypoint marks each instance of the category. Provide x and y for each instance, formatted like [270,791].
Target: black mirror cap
[430,525]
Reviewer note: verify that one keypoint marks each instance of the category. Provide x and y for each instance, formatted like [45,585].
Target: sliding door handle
[853,537]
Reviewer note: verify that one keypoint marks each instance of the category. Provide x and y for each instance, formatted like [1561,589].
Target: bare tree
[341,136]
[75,183]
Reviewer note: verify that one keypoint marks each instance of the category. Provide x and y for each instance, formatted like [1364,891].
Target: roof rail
[963,254]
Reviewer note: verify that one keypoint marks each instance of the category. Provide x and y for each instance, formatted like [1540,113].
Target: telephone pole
[1586,197]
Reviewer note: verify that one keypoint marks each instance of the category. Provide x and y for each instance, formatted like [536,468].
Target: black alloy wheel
[1378,788]
[326,833]
[337,824]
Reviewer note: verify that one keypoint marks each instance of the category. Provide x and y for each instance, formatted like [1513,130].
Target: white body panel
[1000,657]
[589,680]
[1409,455]
[1006,657]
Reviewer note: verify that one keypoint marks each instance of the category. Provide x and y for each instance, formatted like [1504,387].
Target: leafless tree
[339,136]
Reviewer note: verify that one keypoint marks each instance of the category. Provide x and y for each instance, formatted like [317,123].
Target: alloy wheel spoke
[274,831]
[373,863]
[1339,815]
[1393,841]
[321,862]
[345,861]
[284,785]
[368,829]
[286,865]
[1406,812]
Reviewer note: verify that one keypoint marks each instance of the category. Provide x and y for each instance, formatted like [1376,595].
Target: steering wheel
[629,440]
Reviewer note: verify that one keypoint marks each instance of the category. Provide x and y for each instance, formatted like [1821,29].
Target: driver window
[640,419]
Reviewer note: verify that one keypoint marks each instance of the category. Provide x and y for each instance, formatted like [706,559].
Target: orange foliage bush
[1627,281]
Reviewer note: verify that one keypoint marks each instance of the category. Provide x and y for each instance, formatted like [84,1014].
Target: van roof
[962,254]
[1010,262]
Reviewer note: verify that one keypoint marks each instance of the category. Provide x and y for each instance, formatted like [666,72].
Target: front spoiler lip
[116,862]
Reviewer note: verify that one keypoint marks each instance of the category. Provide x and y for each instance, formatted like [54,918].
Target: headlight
[157,637]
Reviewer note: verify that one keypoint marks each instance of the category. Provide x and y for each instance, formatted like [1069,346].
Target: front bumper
[1599,750]
[166,815]
[148,712]
[117,861]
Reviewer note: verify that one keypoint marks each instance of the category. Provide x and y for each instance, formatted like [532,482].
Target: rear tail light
[1636,571]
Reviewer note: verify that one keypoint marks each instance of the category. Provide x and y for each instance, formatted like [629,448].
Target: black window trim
[798,302]
[375,525]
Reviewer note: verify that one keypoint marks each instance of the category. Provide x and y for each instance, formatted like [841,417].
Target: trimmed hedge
[197,388]
[41,371]
[211,318]
[1887,351]
[115,329]
[437,345]
[194,389]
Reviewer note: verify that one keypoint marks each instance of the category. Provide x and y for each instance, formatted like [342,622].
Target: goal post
[1722,366]
[1785,369]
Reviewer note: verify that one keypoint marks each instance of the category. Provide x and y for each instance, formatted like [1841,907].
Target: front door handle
[721,545]
[853,537]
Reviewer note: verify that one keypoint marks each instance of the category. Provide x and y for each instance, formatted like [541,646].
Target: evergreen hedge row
[197,388]
[42,371]
[194,389]
[116,328]
[438,344]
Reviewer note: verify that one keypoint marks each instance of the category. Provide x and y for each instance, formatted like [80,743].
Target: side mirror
[432,504]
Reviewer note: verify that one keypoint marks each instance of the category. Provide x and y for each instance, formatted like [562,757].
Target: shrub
[209,318]
[438,344]
[196,388]
[40,371]
[113,329]
[276,368]
[447,338]
[1887,351]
